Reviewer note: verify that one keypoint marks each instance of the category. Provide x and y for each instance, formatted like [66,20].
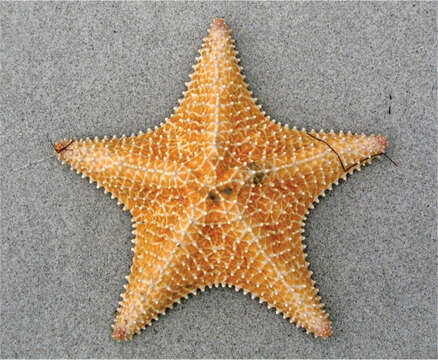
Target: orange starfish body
[219,194]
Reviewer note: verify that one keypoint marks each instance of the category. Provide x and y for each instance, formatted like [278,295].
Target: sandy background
[116,68]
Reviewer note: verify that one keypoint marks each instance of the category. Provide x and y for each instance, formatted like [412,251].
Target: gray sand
[117,68]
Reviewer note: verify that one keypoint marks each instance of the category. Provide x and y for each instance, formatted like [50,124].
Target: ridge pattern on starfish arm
[218,195]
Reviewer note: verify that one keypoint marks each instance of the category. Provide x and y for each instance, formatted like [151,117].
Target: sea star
[218,195]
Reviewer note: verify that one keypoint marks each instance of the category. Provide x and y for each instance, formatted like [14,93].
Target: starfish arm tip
[325,331]
[383,142]
[62,146]
[119,333]
[219,25]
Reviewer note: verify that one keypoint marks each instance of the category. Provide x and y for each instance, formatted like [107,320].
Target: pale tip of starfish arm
[325,331]
[383,142]
[119,333]
[62,148]
[124,330]
[219,25]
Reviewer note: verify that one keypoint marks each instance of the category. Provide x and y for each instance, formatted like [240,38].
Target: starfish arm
[315,161]
[165,267]
[127,167]
[271,261]
[217,100]
[155,282]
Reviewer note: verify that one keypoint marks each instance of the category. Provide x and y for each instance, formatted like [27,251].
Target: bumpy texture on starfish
[219,194]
